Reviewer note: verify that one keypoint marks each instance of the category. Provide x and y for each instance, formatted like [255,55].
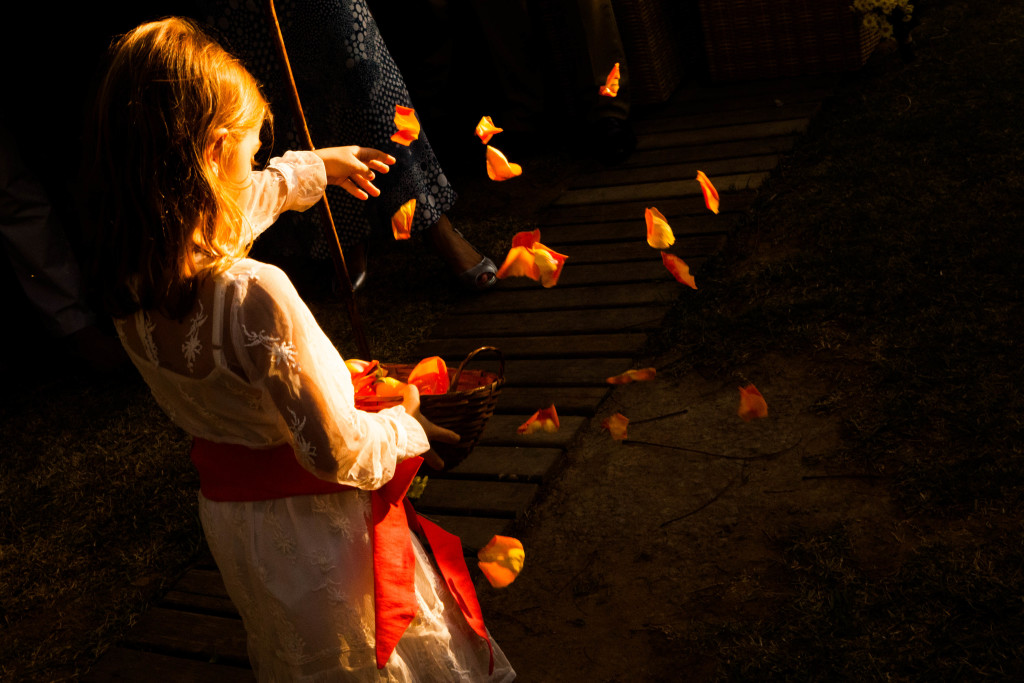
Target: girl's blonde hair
[164,218]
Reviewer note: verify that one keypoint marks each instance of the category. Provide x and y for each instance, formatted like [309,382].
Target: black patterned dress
[349,86]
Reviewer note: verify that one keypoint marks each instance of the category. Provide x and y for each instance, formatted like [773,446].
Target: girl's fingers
[351,188]
[379,166]
[365,183]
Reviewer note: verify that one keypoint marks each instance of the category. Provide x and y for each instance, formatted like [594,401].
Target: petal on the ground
[752,403]
[545,419]
[616,426]
[641,375]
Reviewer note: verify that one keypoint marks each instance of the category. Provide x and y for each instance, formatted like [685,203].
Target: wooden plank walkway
[559,344]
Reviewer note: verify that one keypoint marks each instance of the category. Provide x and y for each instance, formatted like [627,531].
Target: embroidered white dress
[251,366]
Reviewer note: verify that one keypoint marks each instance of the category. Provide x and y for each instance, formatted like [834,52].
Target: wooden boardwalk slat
[202,604]
[506,464]
[633,210]
[658,190]
[576,372]
[724,150]
[519,300]
[474,531]
[133,666]
[629,254]
[475,498]
[674,171]
[592,274]
[567,400]
[561,237]
[766,112]
[195,636]
[501,431]
[704,136]
[202,582]
[562,346]
[632,319]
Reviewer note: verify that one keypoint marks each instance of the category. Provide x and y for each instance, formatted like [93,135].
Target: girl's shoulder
[252,279]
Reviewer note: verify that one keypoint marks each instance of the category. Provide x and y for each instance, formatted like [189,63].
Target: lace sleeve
[295,181]
[282,348]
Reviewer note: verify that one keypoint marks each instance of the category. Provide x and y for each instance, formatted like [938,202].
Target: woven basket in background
[465,409]
[758,39]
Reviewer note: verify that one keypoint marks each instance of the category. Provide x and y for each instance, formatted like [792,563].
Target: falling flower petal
[498,167]
[633,376]
[710,193]
[545,419]
[659,233]
[430,376]
[529,258]
[520,262]
[751,403]
[677,266]
[486,129]
[549,264]
[616,426]
[401,222]
[527,238]
[501,560]
[408,125]
[611,83]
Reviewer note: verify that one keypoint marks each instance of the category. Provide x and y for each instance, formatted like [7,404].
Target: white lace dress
[249,365]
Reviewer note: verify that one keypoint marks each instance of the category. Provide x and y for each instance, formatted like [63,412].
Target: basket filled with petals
[462,401]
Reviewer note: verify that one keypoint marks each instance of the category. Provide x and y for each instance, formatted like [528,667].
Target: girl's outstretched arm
[354,168]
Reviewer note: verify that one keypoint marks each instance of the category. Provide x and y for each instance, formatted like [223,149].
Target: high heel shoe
[470,278]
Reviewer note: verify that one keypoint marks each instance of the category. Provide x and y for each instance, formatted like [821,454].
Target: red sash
[231,472]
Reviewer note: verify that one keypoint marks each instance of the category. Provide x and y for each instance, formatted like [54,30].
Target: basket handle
[458,373]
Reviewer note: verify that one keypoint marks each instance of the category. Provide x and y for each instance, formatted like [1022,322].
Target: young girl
[301,493]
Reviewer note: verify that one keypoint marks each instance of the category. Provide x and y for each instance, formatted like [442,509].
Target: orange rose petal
[611,83]
[527,238]
[498,167]
[520,262]
[659,233]
[677,266]
[752,403]
[710,193]
[388,386]
[401,222]
[430,376]
[408,125]
[545,419]
[501,560]
[616,426]
[486,129]
[628,376]
[548,264]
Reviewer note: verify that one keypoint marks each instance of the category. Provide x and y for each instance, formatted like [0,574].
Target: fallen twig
[702,505]
[763,456]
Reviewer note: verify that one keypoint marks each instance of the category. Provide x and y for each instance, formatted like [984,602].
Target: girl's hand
[411,403]
[353,168]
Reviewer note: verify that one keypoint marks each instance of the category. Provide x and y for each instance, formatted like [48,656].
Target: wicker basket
[465,409]
[757,39]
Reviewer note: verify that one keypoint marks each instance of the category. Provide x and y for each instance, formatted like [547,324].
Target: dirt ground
[640,546]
